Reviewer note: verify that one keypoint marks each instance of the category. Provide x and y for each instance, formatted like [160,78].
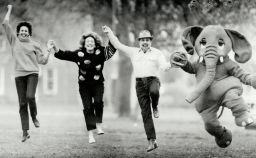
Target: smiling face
[145,43]
[23,32]
[213,38]
[89,43]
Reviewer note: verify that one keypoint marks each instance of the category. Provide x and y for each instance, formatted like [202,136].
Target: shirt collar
[149,50]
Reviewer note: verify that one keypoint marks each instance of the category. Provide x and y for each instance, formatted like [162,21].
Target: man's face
[145,43]
[23,33]
[89,43]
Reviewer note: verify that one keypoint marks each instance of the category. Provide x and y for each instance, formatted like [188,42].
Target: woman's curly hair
[26,24]
[94,35]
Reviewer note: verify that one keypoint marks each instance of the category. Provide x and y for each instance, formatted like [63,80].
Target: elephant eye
[221,42]
[203,42]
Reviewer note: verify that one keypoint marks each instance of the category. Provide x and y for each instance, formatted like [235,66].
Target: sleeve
[9,32]
[190,68]
[109,51]
[67,55]
[41,58]
[129,51]
[235,70]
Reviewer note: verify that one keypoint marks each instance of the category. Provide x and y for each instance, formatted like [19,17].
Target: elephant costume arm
[235,70]
[190,67]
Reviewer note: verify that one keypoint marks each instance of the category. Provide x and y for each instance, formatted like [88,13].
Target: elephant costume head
[212,44]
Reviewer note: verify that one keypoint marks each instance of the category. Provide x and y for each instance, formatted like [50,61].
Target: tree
[165,18]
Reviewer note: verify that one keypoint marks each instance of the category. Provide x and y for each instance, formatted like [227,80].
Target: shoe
[36,123]
[225,139]
[99,129]
[91,138]
[152,145]
[25,136]
[155,112]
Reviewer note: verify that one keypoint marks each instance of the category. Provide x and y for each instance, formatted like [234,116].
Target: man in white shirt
[146,62]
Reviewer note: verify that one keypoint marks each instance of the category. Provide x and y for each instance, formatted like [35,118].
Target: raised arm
[116,43]
[60,54]
[7,27]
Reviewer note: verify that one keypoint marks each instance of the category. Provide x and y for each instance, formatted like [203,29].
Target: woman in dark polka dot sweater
[90,58]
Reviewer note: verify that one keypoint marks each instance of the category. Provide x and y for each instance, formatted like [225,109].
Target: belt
[145,78]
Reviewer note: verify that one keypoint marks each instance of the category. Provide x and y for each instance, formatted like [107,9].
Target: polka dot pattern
[97,52]
[80,54]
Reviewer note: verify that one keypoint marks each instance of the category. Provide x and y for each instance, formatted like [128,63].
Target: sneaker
[152,145]
[36,123]
[91,138]
[99,129]
[25,136]
[155,112]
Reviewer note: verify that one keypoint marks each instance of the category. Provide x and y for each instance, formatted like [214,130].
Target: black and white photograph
[128,79]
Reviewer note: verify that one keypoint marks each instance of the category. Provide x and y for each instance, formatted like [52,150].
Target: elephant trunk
[211,59]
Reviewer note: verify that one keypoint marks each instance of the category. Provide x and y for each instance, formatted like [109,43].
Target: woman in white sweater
[27,55]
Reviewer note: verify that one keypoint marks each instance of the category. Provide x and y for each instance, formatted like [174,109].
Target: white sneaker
[99,129]
[91,138]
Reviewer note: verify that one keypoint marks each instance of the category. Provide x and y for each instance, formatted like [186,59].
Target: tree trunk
[123,84]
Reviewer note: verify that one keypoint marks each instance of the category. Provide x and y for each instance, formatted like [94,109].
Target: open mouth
[145,45]
[23,35]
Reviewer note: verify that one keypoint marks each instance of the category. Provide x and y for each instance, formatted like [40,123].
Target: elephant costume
[219,78]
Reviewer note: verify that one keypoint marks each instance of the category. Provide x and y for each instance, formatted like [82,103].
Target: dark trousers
[92,98]
[147,90]
[26,89]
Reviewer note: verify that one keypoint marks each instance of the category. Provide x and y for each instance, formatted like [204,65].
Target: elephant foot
[245,121]
[225,139]
[251,126]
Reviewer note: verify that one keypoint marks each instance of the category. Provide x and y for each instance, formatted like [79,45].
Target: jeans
[92,98]
[147,90]
[26,89]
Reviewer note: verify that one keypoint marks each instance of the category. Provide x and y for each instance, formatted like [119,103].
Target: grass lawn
[180,133]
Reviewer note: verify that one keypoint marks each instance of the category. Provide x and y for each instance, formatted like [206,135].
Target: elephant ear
[189,37]
[241,47]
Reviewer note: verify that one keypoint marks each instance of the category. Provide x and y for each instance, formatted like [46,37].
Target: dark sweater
[90,65]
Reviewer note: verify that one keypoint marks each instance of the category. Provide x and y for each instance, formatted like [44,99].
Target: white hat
[145,34]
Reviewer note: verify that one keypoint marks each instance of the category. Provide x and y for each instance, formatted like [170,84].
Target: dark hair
[26,24]
[94,35]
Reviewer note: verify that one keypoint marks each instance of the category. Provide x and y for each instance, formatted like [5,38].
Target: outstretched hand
[106,29]
[9,7]
[51,46]
[178,59]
